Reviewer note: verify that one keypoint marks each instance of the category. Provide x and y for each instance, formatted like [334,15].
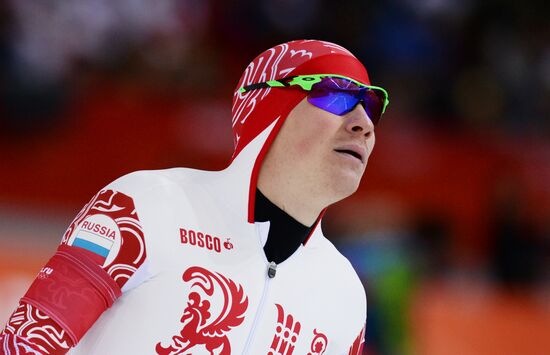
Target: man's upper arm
[109,230]
[100,251]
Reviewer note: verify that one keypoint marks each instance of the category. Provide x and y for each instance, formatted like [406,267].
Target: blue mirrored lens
[373,103]
[336,102]
[340,96]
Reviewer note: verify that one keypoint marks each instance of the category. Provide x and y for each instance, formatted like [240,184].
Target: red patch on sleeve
[73,291]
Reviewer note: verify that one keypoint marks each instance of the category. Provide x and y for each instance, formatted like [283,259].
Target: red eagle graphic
[199,328]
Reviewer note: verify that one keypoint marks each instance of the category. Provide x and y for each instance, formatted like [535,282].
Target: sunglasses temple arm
[264,85]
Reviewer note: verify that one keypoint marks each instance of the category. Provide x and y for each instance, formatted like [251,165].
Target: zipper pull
[272,270]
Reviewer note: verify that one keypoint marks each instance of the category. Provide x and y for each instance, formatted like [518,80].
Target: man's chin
[345,187]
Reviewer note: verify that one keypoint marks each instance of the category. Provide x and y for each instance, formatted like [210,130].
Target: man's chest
[206,290]
[210,309]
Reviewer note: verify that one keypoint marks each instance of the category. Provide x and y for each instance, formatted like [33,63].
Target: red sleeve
[357,347]
[73,291]
[101,250]
[30,331]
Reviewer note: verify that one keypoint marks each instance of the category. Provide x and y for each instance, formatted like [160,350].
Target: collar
[285,233]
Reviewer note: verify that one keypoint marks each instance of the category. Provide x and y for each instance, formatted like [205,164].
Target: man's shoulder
[342,285]
[141,181]
[330,251]
[340,267]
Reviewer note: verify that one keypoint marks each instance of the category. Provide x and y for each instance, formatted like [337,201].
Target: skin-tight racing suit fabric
[172,261]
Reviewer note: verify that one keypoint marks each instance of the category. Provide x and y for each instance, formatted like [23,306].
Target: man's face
[321,153]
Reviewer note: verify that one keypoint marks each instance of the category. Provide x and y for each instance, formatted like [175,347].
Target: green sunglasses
[334,93]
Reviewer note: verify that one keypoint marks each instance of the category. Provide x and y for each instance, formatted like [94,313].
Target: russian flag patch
[98,234]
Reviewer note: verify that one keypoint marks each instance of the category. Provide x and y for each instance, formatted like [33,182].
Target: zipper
[271,271]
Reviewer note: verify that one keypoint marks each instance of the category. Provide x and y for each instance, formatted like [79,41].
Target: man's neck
[301,209]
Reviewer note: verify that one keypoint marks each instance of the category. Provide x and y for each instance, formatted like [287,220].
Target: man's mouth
[353,153]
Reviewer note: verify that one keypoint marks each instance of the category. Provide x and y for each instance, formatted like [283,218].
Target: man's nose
[358,122]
